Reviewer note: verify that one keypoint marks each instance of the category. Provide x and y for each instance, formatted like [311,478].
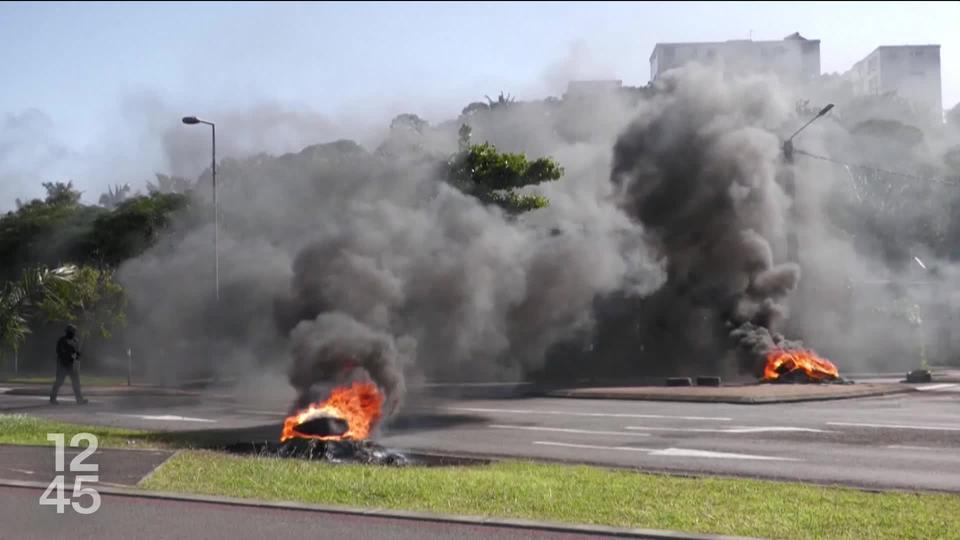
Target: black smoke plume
[699,171]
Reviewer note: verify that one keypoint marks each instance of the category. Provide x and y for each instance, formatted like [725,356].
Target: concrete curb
[398,514]
[738,400]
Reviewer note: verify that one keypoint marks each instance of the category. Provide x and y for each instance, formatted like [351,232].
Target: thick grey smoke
[30,154]
[416,275]
[699,170]
[335,345]
[662,251]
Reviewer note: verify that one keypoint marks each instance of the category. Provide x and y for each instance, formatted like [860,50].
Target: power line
[946,181]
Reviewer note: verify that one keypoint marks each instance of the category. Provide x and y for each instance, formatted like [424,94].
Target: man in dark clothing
[68,354]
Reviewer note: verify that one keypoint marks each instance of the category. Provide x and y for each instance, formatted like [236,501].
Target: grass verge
[575,494]
[25,429]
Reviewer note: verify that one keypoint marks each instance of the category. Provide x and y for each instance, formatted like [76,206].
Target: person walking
[68,355]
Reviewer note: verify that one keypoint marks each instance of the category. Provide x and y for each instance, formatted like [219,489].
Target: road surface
[907,441]
[132,517]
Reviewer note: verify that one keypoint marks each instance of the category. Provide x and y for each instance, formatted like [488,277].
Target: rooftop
[792,37]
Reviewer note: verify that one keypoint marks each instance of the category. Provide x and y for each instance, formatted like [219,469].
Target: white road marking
[594,446]
[738,429]
[669,452]
[162,418]
[684,452]
[24,471]
[936,386]
[606,415]
[569,430]
[896,426]
[904,447]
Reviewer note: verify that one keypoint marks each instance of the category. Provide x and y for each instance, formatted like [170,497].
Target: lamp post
[788,144]
[192,120]
[789,186]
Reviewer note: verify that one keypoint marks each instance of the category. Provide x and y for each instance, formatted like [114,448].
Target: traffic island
[743,394]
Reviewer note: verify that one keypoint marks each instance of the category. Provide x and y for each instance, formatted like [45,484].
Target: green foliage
[114,196]
[37,291]
[133,226]
[892,130]
[169,184]
[494,177]
[464,141]
[86,296]
[46,232]
[410,122]
[60,193]
[475,107]
[59,230]
[502,101]
[91,299]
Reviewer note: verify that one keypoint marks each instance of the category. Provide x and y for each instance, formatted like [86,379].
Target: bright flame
[358,404]
[782,361]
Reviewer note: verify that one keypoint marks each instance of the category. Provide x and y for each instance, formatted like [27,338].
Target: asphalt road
[125,517]
[119,467]
[907,441]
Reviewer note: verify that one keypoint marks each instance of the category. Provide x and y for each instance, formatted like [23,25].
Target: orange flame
[358,404]
[781,362]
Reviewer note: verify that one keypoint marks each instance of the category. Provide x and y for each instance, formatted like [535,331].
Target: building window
[916,53]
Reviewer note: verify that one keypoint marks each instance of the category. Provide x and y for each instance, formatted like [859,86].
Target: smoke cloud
[663,249]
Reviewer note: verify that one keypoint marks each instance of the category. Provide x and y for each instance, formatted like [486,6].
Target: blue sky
[76,72]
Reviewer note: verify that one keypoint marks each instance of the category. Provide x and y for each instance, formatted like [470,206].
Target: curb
[399,514]
[577,394]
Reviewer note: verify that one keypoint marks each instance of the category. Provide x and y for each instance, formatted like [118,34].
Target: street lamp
[788,144]
[192,120]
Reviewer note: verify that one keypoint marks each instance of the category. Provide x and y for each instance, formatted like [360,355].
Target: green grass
[24,429]
[85,380]
[577,494]
[564,493]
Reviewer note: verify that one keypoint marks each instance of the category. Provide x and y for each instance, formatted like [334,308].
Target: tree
[495,177]
[47,232]
[113,197]
[57,231]
[169,184]
[60,193]
[132,227]
[502,101]
[92,299]
[475,107]
[20,300]
[409,122]
[953,117]
[86,296]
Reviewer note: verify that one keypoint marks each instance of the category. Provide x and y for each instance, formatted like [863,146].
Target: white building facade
[793,59]
[909,71]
